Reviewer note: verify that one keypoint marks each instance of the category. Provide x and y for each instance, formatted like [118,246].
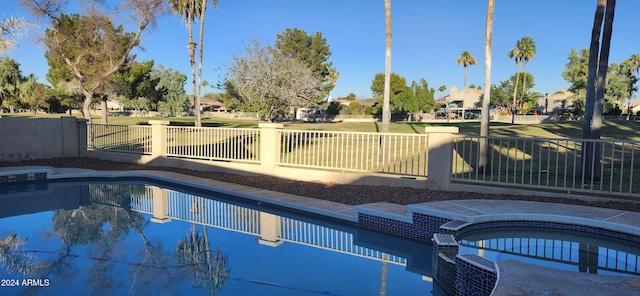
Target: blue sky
[427,37]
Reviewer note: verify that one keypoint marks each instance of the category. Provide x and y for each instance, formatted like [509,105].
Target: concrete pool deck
[514,278]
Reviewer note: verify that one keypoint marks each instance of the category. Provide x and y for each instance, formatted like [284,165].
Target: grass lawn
[620,130]
[520,153]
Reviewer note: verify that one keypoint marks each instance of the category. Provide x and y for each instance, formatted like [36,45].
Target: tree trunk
[386,112]
[103,112]
[197,95]
[594,51]
[524,78]
[201,55]
[483,164]
[603,67]
[464,82]
[191,46]
[515,94]
[86,111]
[601,80]
[589,154]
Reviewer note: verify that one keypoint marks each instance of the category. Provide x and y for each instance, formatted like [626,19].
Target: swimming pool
[395,236]
[555,248]
[132,237]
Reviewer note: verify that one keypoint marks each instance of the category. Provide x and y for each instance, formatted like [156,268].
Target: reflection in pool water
[560,249]
[114,238]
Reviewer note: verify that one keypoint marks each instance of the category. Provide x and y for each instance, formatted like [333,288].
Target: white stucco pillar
[160,205]
[269,230]
[158,137]
[269,145]
[440,156]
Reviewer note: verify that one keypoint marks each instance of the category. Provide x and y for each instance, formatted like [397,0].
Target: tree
[527,51]
[424,96]
[525,101]
[10,78]
[10,29]
[403,99]
[442,88]
[171,88]
[397,84]
[515,54]
[83,51]
[619,83]
[33,94]
[617,87]
[632,68]
[349,97]
[269,82]
[500,95]
[135,87]
[598,64]
[386,111]
[189,11]
[466,59]
[311,50]
[201,57]
[575,71]
[483,163]
[60,100]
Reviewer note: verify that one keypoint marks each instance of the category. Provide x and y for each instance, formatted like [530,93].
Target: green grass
[544,163]
[621,130]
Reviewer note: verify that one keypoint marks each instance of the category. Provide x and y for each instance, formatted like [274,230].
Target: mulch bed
[342,193]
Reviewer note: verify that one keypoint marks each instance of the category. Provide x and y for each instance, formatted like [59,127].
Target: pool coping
[461,213]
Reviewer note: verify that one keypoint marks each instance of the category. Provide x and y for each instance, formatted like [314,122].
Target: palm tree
[527,51]
[190,10]
[594,52]
[634,63]
[442,88]
[466,59]
[515,54]
[200,83]
[386,112]
[603,67]
[596,77]
[632,68]
[484,121]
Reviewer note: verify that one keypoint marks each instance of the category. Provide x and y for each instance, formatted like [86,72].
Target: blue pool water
[137,238]
[132,237]
[555,248]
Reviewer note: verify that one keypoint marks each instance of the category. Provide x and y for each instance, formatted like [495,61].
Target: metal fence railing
[191,208]
[201,210]
[230,144]
[564,165]
[600,167]
[120,138]
[334,240]
[404,154]
[610,257]
[128,196]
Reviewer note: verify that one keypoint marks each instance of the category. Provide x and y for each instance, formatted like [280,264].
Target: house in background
[457,103]
[468,98]
[555,101]
[634,107]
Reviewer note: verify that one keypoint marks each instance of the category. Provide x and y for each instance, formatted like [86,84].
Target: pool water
[555,248]
[117,238]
